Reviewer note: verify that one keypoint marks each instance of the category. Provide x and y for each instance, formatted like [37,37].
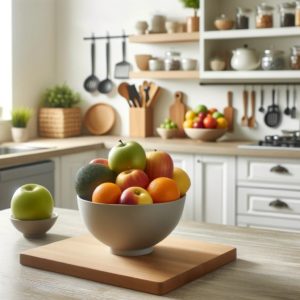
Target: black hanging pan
[273,115]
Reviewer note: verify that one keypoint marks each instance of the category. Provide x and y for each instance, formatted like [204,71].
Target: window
[5,58]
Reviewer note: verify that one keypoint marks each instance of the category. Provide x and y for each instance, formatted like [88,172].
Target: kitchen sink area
[4,150]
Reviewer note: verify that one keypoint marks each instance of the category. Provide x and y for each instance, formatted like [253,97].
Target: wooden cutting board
[177,112]
[229,112]
[173,262]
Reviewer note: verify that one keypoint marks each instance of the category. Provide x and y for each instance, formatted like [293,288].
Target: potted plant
[19,119]
[58,116]
[193,21]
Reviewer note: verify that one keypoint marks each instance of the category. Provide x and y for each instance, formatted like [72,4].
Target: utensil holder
[140,121]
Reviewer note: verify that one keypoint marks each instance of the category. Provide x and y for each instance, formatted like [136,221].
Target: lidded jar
[172,60]
[264,16]
[242,18]
[287,14]
[272,60]
[295,58]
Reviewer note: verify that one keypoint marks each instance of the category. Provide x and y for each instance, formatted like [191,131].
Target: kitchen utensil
[251,120]
[123,91]
[177,112]
[134,95]
[175,261]
[229,111]
[105,86]
[244,59]
[153,93]
[91,83]
[142,95]
[245,105]
[99,118]
[273,117]
[123,68]
[287,110]
[262,96]
[132,99]
[294,109]
[146,88]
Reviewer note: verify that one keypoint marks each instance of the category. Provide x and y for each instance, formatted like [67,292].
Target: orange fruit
[106,192]
[163,189]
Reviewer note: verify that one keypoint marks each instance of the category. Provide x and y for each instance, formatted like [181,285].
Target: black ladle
[105,86]
[287,110]
[91,83]
[262,95]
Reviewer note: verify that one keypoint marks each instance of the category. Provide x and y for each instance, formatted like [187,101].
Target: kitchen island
[267,265]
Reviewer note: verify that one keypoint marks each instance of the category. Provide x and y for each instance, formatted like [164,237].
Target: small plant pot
[193,24]
[19,135]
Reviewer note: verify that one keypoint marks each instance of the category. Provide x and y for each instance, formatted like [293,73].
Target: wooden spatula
[245,104]
[177,112]
[229,111]
[251,120]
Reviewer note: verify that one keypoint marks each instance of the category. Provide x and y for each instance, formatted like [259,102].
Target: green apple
[126,156]
[32,202]
[200,108]
[217,115]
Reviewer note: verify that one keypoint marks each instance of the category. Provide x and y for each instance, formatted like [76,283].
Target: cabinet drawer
[276,171]
[269,202]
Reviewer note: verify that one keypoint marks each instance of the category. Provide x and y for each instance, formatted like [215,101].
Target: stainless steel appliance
[11,178]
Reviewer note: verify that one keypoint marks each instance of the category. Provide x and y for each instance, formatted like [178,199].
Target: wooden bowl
[204,134]
[225,24]
[142,61]
[167,133]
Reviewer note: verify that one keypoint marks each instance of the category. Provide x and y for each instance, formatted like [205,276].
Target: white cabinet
[66,169]
[268,193]
[214,185]
[213,41]
[186,162]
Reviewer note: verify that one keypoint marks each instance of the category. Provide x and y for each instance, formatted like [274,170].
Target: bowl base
[137,252]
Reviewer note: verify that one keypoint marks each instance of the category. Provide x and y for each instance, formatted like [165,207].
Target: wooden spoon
[245,103]
[251,120]
[123,91]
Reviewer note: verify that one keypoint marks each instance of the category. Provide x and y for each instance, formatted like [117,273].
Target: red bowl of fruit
[132,200]
[204,134]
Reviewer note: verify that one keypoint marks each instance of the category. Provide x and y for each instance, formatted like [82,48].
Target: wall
[33,23]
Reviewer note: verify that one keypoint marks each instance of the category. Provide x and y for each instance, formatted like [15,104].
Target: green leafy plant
[191,4]
[20,117]
[60,96]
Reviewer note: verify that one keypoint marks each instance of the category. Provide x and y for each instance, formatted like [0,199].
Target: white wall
[79,18]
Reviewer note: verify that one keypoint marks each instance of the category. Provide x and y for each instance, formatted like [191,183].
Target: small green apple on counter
[168,124]
[32,202]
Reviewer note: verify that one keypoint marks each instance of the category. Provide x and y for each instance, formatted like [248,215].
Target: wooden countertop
[267,266]
[58,147]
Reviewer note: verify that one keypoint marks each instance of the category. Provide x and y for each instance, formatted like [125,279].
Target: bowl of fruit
[205,124]
[132,200]
[168,129]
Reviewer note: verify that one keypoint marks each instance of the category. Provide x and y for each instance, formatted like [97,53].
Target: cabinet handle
[278,204]
[279,170]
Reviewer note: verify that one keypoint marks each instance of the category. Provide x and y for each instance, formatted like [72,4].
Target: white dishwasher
[11,178]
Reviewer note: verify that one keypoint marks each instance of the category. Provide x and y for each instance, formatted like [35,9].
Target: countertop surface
[58,147]
[267,265]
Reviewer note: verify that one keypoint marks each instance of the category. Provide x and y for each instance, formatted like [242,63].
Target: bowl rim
[170,129]
[207,129]
[54,215]
[182,198]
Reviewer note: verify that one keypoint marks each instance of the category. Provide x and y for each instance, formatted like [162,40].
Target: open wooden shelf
[165,38]
[165,74]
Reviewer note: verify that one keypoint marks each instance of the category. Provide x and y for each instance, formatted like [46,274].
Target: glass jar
[295,58]
[297,14]
[272,60]
[287,14]
[264,16]
[172,61]
[242,18]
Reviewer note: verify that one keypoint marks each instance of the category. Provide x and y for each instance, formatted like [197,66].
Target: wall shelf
[165,74]
[182,37]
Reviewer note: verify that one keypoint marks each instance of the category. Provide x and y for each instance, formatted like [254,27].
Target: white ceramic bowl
[167,133]
[34,228]
[188,64]
[130,230]
[204,134]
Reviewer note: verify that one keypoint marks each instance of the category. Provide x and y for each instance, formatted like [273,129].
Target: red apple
[135,195]
[99,160]
[159,164]
[198,124]
[202,116]
[210,122]
[134,177]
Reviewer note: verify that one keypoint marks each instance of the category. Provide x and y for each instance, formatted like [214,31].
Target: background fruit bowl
[165,133]
[130,230]
[203,134]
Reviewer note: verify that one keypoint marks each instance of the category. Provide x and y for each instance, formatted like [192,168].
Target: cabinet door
[186,162]
[68,168]
[214,184]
